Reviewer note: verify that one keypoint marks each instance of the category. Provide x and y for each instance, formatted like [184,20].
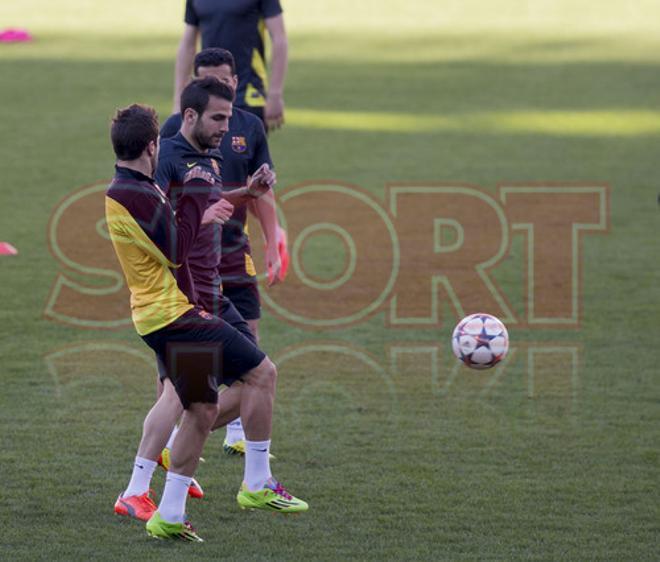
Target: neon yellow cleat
[238,448]
[158,528]
[273,497]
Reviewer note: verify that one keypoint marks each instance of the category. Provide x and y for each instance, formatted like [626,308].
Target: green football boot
[272,497]
[158,528]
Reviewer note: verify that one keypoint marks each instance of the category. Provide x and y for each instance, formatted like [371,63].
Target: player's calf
[257,399]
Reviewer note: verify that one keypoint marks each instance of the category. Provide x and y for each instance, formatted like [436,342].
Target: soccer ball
[480,341]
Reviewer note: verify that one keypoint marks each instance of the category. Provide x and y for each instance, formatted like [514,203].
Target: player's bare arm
[184,63]
[274,110]
[265,209]
[260,183]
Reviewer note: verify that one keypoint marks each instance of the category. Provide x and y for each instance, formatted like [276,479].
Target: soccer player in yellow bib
[197,350]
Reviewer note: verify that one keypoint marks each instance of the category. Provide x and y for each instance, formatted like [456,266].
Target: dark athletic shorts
[199,351]
[245,298]
[223,306]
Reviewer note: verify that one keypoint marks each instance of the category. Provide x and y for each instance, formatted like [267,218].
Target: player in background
[244,149]
[198,351]
[239,26]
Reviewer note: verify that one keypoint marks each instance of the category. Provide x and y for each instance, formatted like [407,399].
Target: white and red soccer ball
[480,341]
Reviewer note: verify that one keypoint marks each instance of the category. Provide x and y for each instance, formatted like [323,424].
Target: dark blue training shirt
[244,148]
[176,158]
[237,25]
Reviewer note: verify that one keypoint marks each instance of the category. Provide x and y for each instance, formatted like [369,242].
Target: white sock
[172,506]
[235,431]
[257,464]
[143,470]
[170,441]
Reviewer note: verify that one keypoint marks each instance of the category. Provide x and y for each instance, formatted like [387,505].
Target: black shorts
[223,306]
[245,297]
[198,352]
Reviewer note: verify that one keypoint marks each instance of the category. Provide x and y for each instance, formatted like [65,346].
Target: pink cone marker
[6,249]
[15,35]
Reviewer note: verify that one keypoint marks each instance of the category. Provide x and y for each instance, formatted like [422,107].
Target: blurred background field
[401,457]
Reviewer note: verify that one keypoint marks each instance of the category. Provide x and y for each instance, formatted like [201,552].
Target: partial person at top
[239,26]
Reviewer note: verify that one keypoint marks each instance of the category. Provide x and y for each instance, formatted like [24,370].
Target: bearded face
[211,126]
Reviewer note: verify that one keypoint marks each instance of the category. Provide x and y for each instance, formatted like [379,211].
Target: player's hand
[278,267]
[218,213]
[273,264]
[198,173]
[274,111]
[261,181]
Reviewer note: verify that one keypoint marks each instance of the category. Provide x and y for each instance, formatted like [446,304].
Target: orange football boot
[140,507]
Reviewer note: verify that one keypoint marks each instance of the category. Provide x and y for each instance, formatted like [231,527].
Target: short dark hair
[132,129]
[196,94]
[214,56]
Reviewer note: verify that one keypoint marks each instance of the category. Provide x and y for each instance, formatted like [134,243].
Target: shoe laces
[280,490]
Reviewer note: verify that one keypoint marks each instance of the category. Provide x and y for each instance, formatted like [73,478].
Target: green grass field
[400,456]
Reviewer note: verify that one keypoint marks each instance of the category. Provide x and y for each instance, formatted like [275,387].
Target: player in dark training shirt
[197,350]
[190,147]
[243,150]
[239,26]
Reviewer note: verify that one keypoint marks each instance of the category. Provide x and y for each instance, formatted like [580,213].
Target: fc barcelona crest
[215,166]
[238,144]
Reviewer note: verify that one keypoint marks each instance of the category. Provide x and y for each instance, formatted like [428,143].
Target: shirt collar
[128,173]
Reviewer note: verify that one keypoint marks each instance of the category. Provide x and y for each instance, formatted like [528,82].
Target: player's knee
[263,376]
